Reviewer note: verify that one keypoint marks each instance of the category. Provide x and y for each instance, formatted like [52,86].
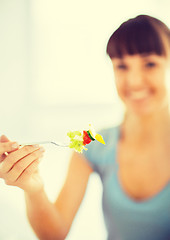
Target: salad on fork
[78,139]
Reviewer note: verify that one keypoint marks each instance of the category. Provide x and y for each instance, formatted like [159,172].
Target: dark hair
[142,34]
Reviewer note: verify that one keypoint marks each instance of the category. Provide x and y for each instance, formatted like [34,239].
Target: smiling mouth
[139,94]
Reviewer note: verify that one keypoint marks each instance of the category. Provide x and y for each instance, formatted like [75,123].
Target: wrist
[35,192]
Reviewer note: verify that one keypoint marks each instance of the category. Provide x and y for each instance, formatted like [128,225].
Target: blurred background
[55,77]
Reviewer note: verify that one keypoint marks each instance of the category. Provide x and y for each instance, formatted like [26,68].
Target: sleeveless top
[125,218]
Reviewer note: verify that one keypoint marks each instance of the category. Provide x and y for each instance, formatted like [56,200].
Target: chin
[147,109]
[142,109]
[145,106]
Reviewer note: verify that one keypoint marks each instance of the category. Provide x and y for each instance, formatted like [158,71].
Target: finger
[8,147]
[3,138]
[27,173]
[22,164]
[18,155]
[2,157]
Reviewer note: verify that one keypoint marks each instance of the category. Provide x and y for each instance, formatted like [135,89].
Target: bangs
[136,36]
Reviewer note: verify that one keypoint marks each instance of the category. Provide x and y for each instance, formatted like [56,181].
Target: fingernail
[15,145]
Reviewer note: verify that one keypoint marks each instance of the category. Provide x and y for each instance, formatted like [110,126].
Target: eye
[122,66]
[150,64]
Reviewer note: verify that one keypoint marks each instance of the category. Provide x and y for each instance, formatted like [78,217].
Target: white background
[55,77]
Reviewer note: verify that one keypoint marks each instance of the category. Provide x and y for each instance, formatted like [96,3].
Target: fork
[44,142]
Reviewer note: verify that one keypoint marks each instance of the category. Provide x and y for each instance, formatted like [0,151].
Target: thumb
[3,138]
[8,147]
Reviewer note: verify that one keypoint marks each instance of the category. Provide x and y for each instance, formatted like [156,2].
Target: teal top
[125,218]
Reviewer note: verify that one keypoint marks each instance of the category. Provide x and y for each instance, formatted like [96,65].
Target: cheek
[120,83]
[120,86]
[167,80]
[160,84]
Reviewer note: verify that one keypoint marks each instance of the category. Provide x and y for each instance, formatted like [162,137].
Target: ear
[3,138]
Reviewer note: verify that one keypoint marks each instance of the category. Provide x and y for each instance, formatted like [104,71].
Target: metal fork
[44,142]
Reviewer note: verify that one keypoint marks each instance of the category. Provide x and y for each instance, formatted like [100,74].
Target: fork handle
[43,142]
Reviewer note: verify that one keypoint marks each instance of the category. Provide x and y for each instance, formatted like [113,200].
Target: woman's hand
[19,166]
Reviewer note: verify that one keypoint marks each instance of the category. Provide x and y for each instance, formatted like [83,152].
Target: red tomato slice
[86,138]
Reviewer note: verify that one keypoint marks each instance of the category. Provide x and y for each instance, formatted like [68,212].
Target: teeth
[139,94]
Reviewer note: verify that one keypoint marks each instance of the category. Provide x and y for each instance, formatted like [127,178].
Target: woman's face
[141,81]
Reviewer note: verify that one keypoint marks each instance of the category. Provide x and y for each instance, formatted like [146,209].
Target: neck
[151,127]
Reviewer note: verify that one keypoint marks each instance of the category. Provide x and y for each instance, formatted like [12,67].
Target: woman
[134,166]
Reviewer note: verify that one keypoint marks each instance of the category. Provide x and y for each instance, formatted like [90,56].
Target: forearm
[44,217]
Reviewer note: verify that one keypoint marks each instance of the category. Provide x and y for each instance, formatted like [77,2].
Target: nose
[135,78]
